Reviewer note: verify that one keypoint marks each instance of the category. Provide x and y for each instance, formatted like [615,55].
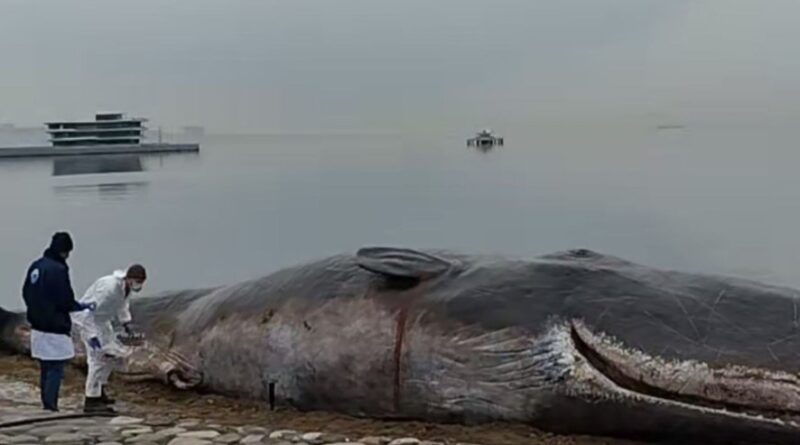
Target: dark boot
[95,405]
[105,398]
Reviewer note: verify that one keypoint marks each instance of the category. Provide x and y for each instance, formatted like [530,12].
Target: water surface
[721,200]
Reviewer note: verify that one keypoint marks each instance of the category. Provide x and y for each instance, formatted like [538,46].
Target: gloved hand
[94,342]
[131,333]
[89,306]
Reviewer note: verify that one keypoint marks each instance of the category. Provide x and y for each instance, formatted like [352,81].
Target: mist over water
[662,132]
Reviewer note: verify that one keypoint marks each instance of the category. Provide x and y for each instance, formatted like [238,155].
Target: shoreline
[151,401]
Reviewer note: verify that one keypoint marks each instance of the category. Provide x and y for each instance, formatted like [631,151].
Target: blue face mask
[136,286]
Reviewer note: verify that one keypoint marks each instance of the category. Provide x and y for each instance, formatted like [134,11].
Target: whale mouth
[178,372]
[747,393]
[135,376]
[184,380]
[171,375]
[152,361]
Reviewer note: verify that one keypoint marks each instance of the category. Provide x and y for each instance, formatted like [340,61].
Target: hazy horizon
[358,66]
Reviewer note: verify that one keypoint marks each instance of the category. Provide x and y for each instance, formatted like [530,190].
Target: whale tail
[14,333]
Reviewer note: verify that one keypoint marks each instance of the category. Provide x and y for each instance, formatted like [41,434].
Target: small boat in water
[484,138]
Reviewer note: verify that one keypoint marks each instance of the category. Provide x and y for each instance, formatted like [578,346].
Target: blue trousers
[52,373]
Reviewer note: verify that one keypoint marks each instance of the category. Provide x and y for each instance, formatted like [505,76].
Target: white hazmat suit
[108,294]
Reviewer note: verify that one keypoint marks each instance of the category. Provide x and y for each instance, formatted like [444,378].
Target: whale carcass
[571,342]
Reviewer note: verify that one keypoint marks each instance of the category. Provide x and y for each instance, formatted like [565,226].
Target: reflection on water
[88,176]
[82,165]
[113,191]
[485,148]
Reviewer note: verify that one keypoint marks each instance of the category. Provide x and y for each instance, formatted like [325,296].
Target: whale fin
[401,263]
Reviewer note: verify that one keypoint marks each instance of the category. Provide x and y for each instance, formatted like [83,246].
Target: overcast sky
[347,65]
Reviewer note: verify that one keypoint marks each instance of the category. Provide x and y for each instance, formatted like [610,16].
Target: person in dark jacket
[49,300]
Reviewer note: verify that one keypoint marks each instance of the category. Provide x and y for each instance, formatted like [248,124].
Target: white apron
[49,346]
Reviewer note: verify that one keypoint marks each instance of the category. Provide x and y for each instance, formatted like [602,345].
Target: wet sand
[155,399]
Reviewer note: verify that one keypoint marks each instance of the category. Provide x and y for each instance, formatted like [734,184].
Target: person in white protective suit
[104,351]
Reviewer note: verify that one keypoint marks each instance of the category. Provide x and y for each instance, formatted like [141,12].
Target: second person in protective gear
[104,352]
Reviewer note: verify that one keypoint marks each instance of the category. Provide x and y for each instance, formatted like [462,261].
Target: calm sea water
[722,200]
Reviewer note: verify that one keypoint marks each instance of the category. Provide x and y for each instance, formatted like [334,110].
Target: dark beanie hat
[61,242]
[136,272]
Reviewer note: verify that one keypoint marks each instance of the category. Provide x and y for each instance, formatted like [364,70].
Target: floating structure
[108,133]
[484,138]
[106,129]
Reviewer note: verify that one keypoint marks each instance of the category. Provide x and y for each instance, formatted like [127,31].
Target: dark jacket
[48,295]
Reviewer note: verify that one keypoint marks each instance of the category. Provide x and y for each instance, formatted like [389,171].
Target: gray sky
[347,65]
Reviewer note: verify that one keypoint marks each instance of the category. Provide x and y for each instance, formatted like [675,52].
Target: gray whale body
[570,342]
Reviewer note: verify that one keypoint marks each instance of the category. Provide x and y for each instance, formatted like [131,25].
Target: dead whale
[571,342]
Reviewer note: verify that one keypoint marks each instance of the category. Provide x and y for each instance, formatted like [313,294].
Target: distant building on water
[107,134]
[106,129]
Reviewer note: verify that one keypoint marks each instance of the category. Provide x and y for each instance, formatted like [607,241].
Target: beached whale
[571,342]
